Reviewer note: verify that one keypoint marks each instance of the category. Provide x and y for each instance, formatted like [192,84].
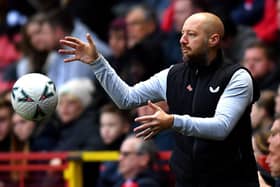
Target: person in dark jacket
[114,127]
[209,101]
[136,161]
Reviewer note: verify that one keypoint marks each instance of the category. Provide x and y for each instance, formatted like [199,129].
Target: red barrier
[36,162]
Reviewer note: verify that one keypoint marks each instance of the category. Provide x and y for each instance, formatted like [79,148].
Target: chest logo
[189,88]
[214,90]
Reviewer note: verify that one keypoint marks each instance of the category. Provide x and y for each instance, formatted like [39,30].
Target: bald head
[201,37]
[210,22]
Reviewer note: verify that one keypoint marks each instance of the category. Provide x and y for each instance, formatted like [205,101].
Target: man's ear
[214,40]
[144,161]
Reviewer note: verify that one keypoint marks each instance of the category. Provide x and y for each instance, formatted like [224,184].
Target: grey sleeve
[124,96]
[233,102]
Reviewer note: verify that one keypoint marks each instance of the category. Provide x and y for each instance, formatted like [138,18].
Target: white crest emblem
[214,90]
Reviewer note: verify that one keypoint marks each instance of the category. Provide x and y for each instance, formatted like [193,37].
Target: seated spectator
[262,113]
[260,61]
[118,43]
[145,54]
[76,127]
[77,130]
[114,126]
[32,60]
[6,113]
[21,142]
[260,146]
[273,159]
[55,25]
[136,161]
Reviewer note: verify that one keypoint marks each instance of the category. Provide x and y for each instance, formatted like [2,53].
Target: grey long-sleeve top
[237,95]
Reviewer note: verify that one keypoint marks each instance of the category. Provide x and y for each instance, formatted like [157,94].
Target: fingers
[149,136]
[69,43]
[144,132]
[143,119]
[145,126]
[153,106]
[71,59]
[66,51]
[73,39]
[148,133]
[89,39]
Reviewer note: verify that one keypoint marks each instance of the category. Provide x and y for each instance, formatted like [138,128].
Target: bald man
[209,100]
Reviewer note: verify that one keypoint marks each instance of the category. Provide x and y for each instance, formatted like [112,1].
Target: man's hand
[85,52]
[151,125]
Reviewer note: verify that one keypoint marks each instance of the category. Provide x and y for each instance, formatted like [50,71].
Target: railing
[70,165]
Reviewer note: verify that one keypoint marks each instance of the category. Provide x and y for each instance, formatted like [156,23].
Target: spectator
[114,126]
[32,60]
[260,147]
[56,24]
[118,43]
[181,10]
[145,51]
[21,142]
[273,159]
[76,119]
[261,62]
[262,113]
[6,112]
[76,125]
[136,161]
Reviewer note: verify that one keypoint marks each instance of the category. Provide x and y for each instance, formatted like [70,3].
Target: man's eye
[191,34]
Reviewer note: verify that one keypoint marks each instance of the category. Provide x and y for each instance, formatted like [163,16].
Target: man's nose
[184,39]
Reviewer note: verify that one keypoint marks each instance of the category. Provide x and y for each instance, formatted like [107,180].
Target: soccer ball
[34,97]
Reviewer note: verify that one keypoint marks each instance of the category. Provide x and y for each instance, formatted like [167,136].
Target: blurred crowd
[139,38]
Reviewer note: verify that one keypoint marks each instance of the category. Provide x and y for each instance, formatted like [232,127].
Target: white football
[34,97]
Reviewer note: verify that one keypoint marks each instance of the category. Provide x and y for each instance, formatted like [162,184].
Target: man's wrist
[96,59]
[170,121]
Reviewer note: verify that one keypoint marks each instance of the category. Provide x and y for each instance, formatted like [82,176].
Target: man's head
[141,21]
[113,123]
[54,25]
[273,158]
[74,97]
[258,60]
[136,155]
[201,36]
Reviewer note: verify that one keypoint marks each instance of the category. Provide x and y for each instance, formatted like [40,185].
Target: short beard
[196,60]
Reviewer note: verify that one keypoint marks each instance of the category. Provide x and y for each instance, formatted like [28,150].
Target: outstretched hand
[151,125]
[85,52]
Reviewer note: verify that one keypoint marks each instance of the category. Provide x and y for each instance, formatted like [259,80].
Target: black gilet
[195,91]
